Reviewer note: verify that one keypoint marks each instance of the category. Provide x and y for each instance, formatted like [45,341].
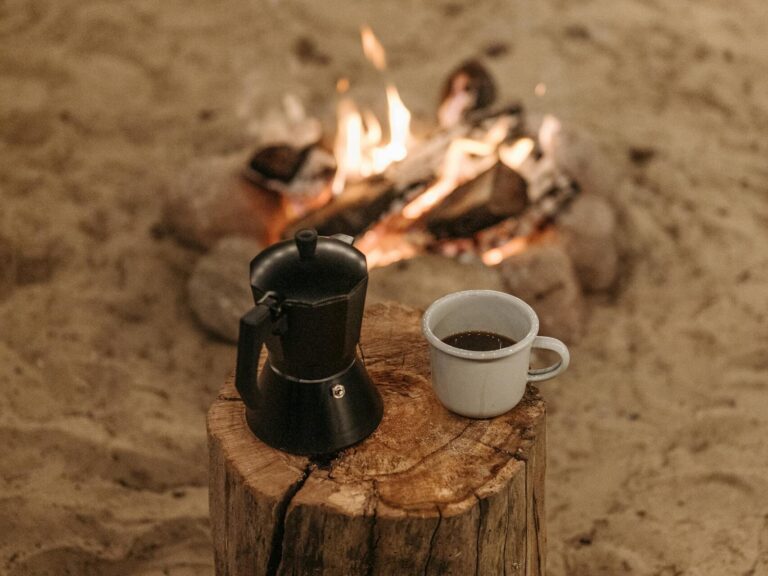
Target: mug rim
[476,354]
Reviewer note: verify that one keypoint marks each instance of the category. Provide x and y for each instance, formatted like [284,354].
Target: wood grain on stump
[429,493]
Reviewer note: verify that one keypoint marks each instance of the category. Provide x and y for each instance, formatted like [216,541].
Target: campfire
[482,183]
[484,188]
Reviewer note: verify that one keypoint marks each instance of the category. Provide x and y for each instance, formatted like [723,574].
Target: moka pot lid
[309,270]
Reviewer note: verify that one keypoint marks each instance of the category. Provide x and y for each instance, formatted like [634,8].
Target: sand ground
[658,435]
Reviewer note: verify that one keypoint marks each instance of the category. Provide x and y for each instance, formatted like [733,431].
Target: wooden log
[495,195]
[363,203]
[428,493]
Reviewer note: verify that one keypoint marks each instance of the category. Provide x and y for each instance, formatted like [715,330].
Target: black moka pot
[313,396]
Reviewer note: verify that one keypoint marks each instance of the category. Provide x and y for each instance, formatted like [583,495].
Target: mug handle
[553,344]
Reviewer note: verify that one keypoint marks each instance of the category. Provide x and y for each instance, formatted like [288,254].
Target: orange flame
[363,149]
[383,246]
[348,145]
[359,148]
[372,48]
[342,85]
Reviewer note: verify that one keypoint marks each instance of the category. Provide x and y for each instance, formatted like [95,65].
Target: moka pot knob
[306,242]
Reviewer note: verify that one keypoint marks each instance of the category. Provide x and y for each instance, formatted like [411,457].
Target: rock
[422,280]
[588,229]
[219,289]
[211,200]
[578,153]
[543,276]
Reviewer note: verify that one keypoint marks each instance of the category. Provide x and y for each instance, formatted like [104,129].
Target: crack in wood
[227,490]
[536,527]
[373,538]
[506,532]
[498,449]
[422,459]
[227,398]
[276,551]
[483,504]
[432,541]
[528,503]
[520,455]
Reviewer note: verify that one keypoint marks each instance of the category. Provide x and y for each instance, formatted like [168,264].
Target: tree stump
[429,493]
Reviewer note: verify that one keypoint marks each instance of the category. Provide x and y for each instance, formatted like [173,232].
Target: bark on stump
[429,493]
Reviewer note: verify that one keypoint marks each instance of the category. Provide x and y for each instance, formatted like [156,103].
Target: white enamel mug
[486,384]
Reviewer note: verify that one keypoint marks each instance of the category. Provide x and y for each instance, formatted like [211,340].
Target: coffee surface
[478,341]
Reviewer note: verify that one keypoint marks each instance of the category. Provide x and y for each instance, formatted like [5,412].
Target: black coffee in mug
[478,341]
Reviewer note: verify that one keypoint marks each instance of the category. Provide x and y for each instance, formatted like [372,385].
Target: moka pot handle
[255,326]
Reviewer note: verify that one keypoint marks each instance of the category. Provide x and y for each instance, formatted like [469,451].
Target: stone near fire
[496,194]
[588,229]
[219,290]
[287,124]
[422,280]
[543,275]
[210,200]
[577,153]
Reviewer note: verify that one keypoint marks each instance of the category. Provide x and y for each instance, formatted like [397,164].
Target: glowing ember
[383,247]
[512,247]
[359,148]
[342,85]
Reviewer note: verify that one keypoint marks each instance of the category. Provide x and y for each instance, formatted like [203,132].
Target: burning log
[480,174]
[353,212]
[363,203]
[497,194]
[280,162]
[506,238]
[469,87]
[297,177]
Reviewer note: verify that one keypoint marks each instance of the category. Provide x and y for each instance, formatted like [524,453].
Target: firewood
[469,87]
[281,162]
[428,493]
[363,203]
[496,194]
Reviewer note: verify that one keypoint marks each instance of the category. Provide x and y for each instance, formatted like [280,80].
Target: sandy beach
[658,433]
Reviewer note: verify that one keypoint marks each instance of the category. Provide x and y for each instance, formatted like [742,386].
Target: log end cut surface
[429,492]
